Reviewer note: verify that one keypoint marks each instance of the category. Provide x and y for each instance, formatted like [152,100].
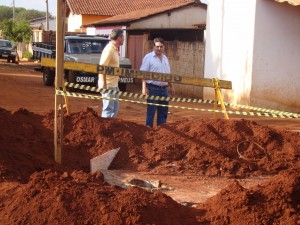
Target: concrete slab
[103,161]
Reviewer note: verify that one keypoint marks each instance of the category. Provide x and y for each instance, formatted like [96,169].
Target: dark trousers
[162,112]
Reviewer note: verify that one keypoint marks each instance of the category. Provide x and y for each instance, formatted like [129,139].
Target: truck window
[5,44]
[81,46]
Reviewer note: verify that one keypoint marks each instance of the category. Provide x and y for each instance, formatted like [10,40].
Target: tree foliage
[20,14]
[30,14]
[5,12]
[16,31]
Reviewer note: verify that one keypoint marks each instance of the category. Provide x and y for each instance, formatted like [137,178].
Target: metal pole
[13,10]
[47,16]
[59,81]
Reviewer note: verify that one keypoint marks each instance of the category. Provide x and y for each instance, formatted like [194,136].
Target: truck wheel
[71,79]
[48,77]
[122,87]
[8,59]
[13,59]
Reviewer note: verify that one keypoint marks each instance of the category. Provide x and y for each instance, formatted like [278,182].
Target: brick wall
[186,59]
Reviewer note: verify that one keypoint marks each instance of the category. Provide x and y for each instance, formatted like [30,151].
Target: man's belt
[156,86]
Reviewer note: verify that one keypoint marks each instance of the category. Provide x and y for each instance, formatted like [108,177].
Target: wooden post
[215,102]
[218,95]
[59,81]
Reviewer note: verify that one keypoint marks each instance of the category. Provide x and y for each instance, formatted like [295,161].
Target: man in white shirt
[156,61]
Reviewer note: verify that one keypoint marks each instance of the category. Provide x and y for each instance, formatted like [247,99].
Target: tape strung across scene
[132,73]
[135,95]
[78,95]
[173,78]
[171,99]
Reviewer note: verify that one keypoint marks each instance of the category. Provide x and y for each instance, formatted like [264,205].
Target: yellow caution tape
[132,73]
[135,95]
[172,99]
[78,95]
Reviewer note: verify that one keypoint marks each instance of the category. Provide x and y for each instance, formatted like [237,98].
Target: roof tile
[138,14]
[117,7]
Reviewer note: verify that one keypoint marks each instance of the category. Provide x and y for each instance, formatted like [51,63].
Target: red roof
[117,7]
[139,14]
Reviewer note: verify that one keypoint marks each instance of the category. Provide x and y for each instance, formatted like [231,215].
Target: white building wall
[254,44]
[276,64]
[229,44]
[74,22]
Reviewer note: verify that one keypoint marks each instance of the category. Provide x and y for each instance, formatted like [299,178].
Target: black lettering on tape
[117,71]
[100,69]
[168,78]
[129,73]
[156,76]
[146,76]
[110,70]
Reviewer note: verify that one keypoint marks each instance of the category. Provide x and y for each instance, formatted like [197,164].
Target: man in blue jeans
[156,61]
[110,57]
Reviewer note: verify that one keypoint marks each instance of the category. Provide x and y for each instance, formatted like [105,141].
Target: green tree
[17,31]
[5,13]
[20,14]
[30,14]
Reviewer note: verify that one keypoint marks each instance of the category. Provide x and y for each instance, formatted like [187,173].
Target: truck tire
[48,76]
[13,59]
[122,87]
[70,78]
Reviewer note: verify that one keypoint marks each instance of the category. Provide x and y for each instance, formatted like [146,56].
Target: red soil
[34,189]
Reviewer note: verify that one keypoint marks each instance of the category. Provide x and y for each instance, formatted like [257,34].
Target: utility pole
[13,10]
[47,16]
[59,80]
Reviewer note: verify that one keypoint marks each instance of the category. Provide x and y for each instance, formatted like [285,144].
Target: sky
[32,4]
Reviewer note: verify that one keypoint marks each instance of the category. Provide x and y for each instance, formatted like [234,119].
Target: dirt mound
[274,202]
[36,190]
[204,146]
[26,145]
[79,198]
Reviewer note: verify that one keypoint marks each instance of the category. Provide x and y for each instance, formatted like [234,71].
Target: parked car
[8,51]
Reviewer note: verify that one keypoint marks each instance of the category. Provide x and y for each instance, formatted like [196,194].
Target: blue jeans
[110,107]
[162,112]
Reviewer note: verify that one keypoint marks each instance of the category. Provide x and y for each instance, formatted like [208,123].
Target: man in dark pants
[156,61]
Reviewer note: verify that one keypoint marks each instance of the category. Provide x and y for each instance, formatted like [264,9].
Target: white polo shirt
[152,63]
